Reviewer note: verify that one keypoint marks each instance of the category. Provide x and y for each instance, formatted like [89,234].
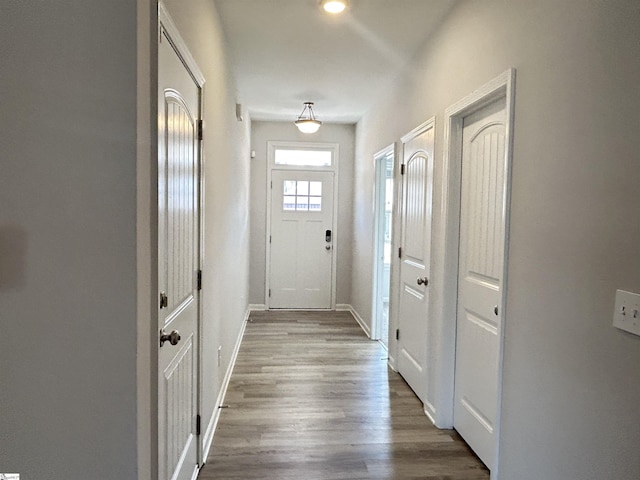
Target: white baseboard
[258,307]
[430,412]
[392,363]
[345,307]
[211,428]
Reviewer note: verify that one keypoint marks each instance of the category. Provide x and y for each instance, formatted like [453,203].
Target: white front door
[178,258]
[480,282]
[301,239]
[415,260]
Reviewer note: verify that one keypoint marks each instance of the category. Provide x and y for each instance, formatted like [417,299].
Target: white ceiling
[286,52]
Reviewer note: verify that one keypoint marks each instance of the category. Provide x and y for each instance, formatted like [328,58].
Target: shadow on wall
[13,257]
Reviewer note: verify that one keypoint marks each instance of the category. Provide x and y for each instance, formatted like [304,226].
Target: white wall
[571,389]
[226,203]
[262,132]
[74,286]
[68,239]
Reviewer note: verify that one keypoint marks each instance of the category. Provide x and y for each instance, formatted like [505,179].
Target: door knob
[173,338]
[495,309]
[422,281]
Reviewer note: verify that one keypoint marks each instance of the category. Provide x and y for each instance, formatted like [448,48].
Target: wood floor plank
[311,397]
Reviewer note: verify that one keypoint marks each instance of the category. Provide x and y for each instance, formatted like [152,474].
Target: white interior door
[301,239]
[480,289]
[178,262]
[415,260]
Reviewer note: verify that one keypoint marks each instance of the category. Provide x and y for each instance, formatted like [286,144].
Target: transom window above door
[302,195]
[303,158]
[300,156]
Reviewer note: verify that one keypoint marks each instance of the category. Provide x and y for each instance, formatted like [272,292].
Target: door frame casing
[166,24]
[378,245]
[272,146]
[394,275]
[502,86]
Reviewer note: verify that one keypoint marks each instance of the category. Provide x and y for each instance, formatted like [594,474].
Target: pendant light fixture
[334,6]
[307,123]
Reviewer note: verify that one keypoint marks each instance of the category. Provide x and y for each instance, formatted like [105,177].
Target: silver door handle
[422,281]
[173,338]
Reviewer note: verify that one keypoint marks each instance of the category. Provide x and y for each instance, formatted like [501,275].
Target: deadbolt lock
[164,300]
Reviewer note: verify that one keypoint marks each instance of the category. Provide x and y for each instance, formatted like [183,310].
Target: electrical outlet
[626,313]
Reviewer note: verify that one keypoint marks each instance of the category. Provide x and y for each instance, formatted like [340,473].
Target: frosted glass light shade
[308,126]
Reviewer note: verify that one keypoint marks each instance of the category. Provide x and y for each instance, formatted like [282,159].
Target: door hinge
[269,238]
[198,424]
[199,279]
[269,292]
[400,252]
[402,169]
[200,129]
[397,334]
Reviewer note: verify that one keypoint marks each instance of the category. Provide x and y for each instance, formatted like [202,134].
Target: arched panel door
[415,258]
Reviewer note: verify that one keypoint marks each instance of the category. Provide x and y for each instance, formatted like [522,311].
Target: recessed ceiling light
[334,6]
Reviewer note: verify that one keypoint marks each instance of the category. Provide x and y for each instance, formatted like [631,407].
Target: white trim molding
[345,307]
[419,130]
[378,241]
[180,46]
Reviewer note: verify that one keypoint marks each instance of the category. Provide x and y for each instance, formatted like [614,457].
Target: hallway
[312,397]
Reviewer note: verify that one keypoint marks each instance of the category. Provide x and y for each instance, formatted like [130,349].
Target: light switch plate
[626,313]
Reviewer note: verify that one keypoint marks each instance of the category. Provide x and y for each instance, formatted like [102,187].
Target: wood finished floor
[311,397]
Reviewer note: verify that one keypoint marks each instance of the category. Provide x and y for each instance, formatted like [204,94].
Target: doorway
[415,256]
[384,167]
[478,132]
[301,234]
[179,95]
